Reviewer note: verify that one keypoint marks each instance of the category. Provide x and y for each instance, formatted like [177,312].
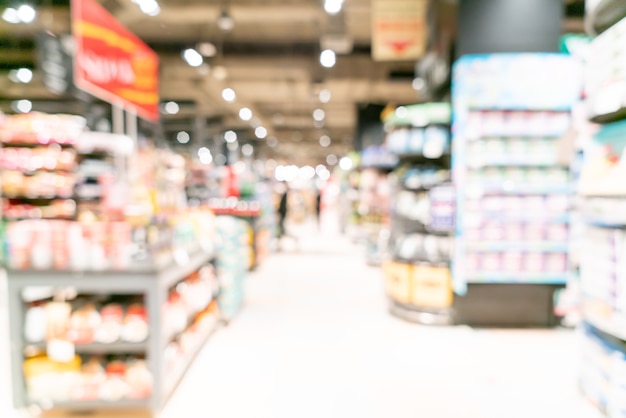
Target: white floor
[315,340]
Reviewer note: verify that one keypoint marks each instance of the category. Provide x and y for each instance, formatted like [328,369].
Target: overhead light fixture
[247,150]
[345,164]
[10,15]
[207,49]
[149,7]
[230,136]
[260,132]
[325,96]
[183,137]
[229,95]
[225,22]
[320,168]
[333,7]
[26,13]
[331,159]
[325,141]
[245,114]
[22,106]
[22,75]
[272,142]
[205,155]
[418,84]
[171,108]
[193,57]
[328,58]
[319,115]
[220,72]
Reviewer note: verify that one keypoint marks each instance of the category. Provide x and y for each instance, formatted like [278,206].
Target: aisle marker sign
[399,29]
[112,63]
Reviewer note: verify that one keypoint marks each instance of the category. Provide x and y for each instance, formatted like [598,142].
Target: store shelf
[516,189]
[172,382]
[501,161]
[528,217]
[441,262]
[517,278]
[96,348]
[499,246]
[96,404]
[420,315]
[617,329]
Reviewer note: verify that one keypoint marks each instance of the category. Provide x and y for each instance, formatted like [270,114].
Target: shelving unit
[514,190]
[602,197]
[417,268]
[154,285]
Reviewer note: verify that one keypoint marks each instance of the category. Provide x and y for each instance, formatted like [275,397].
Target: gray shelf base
[424,316]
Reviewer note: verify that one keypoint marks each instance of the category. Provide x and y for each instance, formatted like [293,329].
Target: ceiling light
[345,163]
[149,7]
[193,57]
[225,22]
[260,132]
[245,114]
[325,141]
[418,84]
[183,137]
[247,150]
[207,49]
[205,155]
[402,112]
[325,96]
[230,136]
[319,115]
[23,75]
[272,142]
[219,72]
[306,173]
[26,13]
[172,108]
[320,168]
[324,175]
[328,58]
[229,95]
[331,159]
[333,7]
[10,15]
[220,159]
[22,106]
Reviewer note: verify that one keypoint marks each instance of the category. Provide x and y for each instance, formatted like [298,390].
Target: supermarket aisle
[314,340]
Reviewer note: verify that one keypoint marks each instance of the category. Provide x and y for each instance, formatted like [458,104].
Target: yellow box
[431,287]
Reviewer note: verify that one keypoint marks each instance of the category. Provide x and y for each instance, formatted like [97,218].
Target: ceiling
[271,61]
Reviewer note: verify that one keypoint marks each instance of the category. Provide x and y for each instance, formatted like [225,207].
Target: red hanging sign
[112,63]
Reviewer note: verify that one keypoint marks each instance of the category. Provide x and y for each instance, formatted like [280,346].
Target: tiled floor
[315,340]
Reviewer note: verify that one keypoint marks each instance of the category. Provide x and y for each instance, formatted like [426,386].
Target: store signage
[112,63]
[399,29]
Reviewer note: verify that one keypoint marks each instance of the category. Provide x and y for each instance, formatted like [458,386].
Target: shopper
[282,212]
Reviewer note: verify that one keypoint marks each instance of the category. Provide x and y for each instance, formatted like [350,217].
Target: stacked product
[511,111]
[113,302]
[417,272]
[602,196]
[233,236]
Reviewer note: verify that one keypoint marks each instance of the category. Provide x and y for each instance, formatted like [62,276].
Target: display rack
[602,200]
[417,268]
[154,285]
[512,236]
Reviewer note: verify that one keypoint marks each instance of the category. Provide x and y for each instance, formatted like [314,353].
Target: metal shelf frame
[153,284]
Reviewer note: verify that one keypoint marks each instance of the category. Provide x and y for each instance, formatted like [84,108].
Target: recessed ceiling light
[319,115]
[245,114]
[225,22]
[26,13]
[22,106]
[325,141]
[183,137]
[207,49]
[10,15]
[325,96]
[205,155]
[172,108]
[220,159]
[328,58]
[193,57]
[345,163]
[272,142]
[260,132]
[331,159]
[149,7]
[230,136]
[229,95]
[220,72]
[333,7]
[418,83]
[247,150]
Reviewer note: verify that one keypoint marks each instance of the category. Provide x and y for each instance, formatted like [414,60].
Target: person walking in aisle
[283,212]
